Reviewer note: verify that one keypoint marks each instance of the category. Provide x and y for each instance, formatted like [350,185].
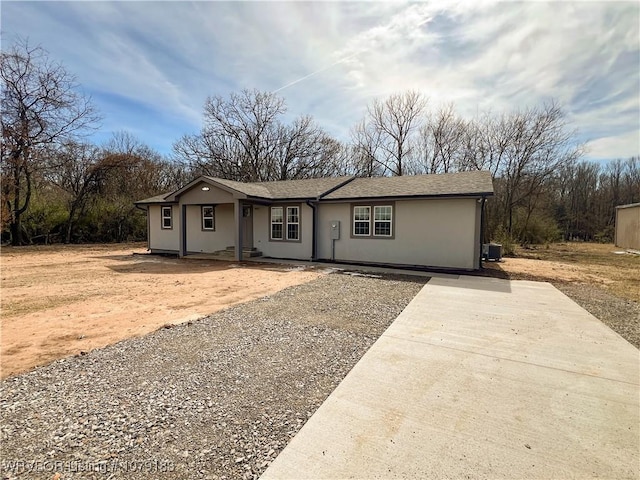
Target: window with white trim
[372,221]
[208,218]
[362,221]
[277,223]
[382,217]
[167,219]
[293,223]
[284,223]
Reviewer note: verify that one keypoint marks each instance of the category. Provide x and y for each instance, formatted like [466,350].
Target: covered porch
[215,219]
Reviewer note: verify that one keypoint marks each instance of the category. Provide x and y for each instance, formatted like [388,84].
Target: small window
[361,221]
[166,218]
[208,218]
[277,223]
[382,221]
[293,223]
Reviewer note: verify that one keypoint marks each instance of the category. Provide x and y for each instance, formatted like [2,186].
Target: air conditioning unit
[492,252]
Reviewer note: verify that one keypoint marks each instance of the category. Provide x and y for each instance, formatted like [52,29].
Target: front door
[247,226]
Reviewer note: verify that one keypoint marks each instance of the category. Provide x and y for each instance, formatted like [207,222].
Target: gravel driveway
[215,398]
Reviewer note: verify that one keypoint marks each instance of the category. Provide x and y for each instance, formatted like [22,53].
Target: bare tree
[366,141]
[538,144]
[241,132]
[77,170]
[390,124]
[441,143]
[244,139]
[631,180]
[40,107]
[300,151]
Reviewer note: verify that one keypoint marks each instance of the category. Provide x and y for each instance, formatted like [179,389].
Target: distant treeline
[56,187]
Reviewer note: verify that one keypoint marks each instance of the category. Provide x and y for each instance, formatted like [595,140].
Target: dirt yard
[63,300]
[595,264]
[58,301]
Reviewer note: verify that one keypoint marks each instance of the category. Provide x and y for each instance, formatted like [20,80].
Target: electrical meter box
[334,226]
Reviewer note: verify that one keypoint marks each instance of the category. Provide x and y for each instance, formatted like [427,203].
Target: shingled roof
[286,189]
[345,188]
[447,184]
[162,198]
[250,189]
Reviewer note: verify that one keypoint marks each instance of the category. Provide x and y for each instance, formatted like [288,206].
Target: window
[293,223]
[372,221]
[277,223]
[361,221]
[166,218]
[208,218]
[382,221]
[284,223]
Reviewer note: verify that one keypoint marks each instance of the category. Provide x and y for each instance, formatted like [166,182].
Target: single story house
[422,220]
[627,234]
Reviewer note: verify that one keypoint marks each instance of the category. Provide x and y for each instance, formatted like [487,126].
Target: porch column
[182,216]
[237,210]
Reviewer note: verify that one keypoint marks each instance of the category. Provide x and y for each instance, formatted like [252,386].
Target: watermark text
[78,466]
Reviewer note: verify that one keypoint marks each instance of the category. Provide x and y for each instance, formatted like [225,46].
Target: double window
[208,218]
[373,221]
[167,219]
[285,223]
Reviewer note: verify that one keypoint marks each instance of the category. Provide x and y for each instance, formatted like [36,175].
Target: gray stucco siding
[207,241]
[300,250]
[433,232]
[162,238]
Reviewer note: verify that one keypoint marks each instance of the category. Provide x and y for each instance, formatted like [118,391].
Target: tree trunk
[67,235]
[16,232]
[69,226]
[16,217]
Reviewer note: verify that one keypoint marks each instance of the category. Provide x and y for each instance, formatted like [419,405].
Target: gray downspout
[484,199]
[314,230]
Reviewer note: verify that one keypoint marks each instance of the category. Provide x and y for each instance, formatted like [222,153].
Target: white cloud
[333,57]
[623,146]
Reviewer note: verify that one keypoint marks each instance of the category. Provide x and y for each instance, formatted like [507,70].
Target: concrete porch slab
[480,378]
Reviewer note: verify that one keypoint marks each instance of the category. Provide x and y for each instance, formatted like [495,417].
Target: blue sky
[150,65]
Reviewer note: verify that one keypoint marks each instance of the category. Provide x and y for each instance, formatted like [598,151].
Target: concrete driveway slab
[480,378]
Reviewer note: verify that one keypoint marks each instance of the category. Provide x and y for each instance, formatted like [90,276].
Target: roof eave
[412,197]
[289,199]
[157,202]
[629,205]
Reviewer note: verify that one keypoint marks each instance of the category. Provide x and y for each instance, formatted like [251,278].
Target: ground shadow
[397,277]
[495,270]
[157,264]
